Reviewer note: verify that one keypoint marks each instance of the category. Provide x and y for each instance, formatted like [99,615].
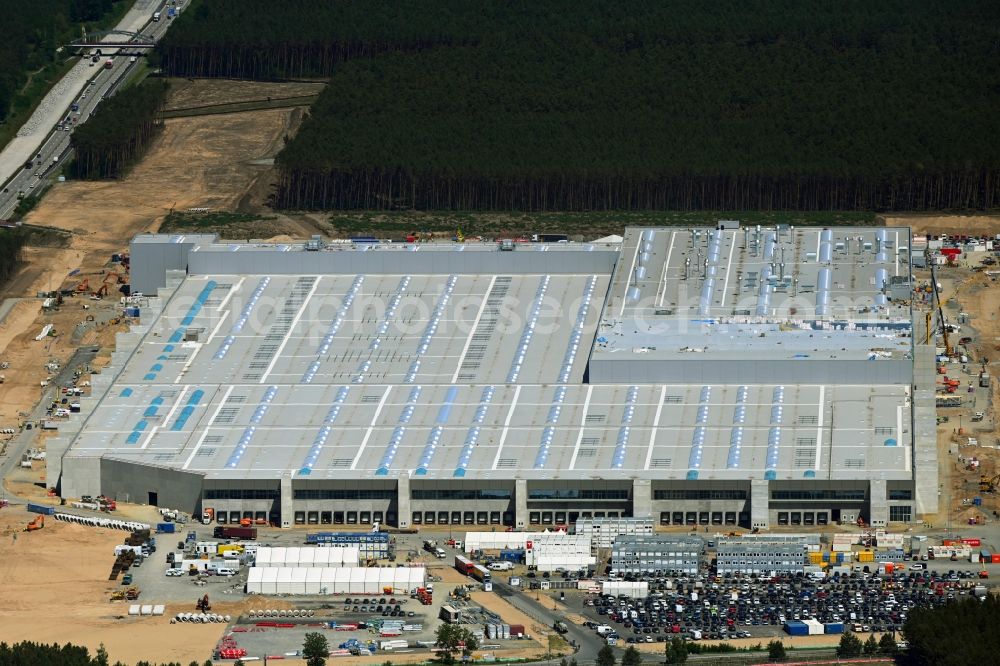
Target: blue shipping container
[41,508]
[797,628]
[833,628]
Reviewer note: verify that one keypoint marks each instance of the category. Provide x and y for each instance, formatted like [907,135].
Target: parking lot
[718,608]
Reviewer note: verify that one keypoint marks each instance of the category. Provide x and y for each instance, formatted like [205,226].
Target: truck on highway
[109,63]
[156,16]
[235,533]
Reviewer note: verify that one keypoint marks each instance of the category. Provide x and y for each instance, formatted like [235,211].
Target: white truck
[500,566]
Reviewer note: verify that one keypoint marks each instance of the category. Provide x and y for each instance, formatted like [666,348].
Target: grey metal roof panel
[678,292]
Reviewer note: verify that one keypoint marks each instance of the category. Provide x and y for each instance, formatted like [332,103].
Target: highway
[87,84]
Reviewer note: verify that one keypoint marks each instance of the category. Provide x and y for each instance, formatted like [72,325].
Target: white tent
[343,584]
[357,581]
[284,583]
[334,580]
[269,582]
[314,581]
[299,575]
[254,578]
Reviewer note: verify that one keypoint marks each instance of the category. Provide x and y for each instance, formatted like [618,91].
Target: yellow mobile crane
[940,313]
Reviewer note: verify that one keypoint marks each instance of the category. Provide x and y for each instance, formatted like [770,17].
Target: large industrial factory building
[716,376]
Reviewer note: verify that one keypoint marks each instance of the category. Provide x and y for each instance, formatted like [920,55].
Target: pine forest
[589,105]
[119,132]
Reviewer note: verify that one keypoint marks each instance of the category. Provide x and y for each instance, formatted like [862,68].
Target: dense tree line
[303,38]
[953,635]
[40,654]
[119,132]
[589,105]
[31,33]
[11,246]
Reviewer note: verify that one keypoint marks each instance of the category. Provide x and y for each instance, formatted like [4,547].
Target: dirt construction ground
[56,590]
[206,162]
[55,580]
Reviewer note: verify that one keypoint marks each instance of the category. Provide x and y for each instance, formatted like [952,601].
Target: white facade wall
[633,589]
[566,562]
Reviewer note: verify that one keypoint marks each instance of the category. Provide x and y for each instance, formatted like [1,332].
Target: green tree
[677,651]
[887,644]
[101,658]
[776,651]
[315,649]
[850,646]
[452,638]
[606,656]
[632,657]
[871,645]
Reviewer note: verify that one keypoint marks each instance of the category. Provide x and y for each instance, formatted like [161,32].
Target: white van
[500,566]
[225,571]
[604,630]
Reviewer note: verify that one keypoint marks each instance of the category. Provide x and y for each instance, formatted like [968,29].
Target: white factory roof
[443,376]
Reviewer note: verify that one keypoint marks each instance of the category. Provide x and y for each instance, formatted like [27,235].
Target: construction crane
[989,484]
[36,524]
[940,312]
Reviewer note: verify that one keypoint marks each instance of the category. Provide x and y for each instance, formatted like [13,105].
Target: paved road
[25,438]
[588,642]
[86,84]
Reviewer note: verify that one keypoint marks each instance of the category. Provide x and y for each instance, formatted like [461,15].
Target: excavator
[202,605]
[36,524]
[84,285]
[989,484]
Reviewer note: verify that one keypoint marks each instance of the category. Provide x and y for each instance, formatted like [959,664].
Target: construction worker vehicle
[36,524]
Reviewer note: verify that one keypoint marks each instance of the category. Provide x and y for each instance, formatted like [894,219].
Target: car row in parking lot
[722,607]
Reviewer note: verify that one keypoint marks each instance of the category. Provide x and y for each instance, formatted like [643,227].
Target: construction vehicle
[950,385]
[989,484]
[983,573]
[84,285]
[36,524]
[202,605]
[132,593]
[940,313]
[118,595]
[101,292]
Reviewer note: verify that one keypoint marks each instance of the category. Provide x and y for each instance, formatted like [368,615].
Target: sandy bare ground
[56,590]
[947,224]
